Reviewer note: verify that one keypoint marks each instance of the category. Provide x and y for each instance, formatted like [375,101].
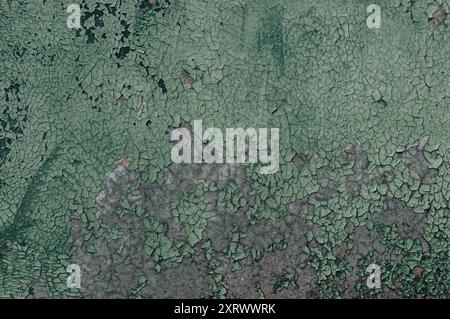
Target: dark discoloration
[439,16]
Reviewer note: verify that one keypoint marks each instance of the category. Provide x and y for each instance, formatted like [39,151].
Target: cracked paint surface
[86,176]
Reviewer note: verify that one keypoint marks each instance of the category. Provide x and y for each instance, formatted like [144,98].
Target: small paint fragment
[121,101]
[125,161]
[439,16]
[188,81]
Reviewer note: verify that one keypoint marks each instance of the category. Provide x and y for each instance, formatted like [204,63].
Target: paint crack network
[92,204]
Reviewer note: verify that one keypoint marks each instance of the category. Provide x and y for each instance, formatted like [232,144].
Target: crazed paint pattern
[85,170]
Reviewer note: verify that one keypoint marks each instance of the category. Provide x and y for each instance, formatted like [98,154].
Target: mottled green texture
[85,169]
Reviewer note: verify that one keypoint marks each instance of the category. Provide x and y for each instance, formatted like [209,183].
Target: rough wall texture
[86,175]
